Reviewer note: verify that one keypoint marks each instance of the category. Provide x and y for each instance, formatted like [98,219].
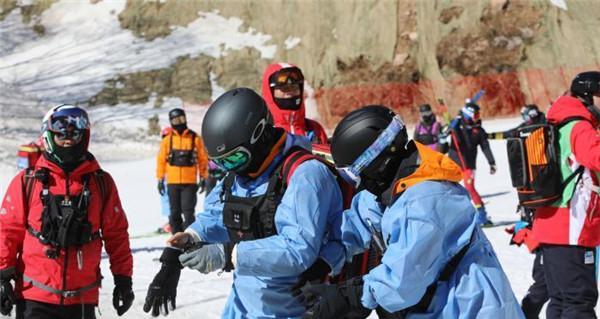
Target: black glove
[201,186]
[161,188]
[318,271]
[122,294]
[163,288]
[7,295]
[334,301]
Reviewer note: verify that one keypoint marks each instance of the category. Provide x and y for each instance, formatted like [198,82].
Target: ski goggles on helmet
[68,123]
[471,113]
[288,76]
[528,114]
[234,159]
[351,174]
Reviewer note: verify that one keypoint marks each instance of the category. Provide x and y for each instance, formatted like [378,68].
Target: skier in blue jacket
[279,226]
[437,263]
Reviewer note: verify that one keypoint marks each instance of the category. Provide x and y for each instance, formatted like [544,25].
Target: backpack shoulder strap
[569,120]
[100,179]
[27,182]
[227,184]
[296,156]
[300,155]
[29,178]
[193,140]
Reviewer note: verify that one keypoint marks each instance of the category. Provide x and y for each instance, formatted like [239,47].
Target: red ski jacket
[293,121]
[575,218]
[54,280]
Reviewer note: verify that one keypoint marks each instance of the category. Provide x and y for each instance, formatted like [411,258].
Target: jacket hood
[568,106]
[87,166]
[291,120]
[434,166]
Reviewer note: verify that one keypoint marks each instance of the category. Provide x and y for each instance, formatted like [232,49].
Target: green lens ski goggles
[233,160]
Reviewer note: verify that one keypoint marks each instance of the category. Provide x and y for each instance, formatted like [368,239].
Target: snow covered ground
[203,296]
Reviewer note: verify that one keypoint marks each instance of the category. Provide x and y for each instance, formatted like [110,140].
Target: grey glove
[206,259]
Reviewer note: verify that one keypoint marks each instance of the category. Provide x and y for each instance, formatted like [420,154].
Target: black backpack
[534,161]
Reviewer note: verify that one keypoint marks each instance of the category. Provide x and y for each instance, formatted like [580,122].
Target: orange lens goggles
[286,77]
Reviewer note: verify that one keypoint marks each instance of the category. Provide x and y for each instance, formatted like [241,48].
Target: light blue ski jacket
[267,268]
[424,228]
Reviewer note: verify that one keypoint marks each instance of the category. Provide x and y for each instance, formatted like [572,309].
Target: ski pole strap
[63,293]
[377,237]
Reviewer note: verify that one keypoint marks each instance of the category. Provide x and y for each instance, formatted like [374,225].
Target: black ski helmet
[66,121]
[424,108]
[585,86]
[530,112]
[239,117]
[175,113]
[176,123]
[356,133]
[470,113]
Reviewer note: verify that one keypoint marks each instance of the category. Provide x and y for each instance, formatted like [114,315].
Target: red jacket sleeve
[12,222]
[114,231]
[585,145]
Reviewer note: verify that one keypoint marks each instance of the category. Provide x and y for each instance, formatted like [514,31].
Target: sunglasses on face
[178,120]
[233,160]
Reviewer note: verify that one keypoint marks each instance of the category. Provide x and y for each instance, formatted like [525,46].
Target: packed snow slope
[203,296]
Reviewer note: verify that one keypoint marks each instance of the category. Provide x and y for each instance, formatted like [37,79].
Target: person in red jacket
[54,221]
[569,230]
[283,90]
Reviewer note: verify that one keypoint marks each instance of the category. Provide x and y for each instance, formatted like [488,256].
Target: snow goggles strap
[233,160]
[351,174]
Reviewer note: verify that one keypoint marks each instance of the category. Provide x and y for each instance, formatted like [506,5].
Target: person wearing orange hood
[283,90]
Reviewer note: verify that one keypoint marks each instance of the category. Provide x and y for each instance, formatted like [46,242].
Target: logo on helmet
[258,130]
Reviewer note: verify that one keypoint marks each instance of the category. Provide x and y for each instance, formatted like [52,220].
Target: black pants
[537,295]
[571,281]
[29,309]
[182,200]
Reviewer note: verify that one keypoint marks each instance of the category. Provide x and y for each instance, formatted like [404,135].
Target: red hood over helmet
[292,121]
[568,106]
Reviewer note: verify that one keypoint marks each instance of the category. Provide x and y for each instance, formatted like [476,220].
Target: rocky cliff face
[354,52]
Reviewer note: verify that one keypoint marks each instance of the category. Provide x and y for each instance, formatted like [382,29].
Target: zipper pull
[79,259]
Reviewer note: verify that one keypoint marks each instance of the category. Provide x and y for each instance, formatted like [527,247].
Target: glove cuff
[7,274]
[353,291]
[122,281]
[170,257]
